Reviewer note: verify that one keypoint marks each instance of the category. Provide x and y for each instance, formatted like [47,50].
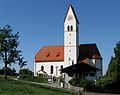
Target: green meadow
[12,87]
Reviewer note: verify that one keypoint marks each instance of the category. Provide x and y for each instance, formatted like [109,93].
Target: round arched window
[42,68]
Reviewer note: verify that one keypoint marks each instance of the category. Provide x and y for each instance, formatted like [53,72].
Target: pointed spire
[70,6]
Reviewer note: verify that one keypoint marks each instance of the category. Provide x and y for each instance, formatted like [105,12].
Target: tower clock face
[70,17]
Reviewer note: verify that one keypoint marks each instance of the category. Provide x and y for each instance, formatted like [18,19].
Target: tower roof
[70,6]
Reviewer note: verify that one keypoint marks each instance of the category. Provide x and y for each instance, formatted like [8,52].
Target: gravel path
[92,93]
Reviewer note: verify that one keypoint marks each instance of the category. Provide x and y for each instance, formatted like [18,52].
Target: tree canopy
[114,66]
[9,52]
[111,80]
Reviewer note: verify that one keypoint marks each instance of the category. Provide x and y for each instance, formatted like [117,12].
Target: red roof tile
[50,53]
[56,53]
[88,51]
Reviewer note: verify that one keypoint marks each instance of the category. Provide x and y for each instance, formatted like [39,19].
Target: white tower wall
[71,38]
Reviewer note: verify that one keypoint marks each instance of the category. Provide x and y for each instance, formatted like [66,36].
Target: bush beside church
[27,75]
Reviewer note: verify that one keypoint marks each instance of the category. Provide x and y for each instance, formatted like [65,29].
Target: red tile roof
[50,53]
[56,53]
[88,51]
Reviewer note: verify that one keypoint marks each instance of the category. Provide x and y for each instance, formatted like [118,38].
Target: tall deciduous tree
[9,52]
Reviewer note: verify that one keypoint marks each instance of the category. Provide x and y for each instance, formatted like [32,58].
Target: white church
[71,58]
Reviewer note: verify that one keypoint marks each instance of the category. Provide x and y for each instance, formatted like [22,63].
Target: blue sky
[40,22]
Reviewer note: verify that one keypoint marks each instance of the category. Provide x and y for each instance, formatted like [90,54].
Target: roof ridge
[52,45]
[88,44]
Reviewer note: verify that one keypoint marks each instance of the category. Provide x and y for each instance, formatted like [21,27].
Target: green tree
[11,72]
[112,78]
[114,68]
[25,73]
[117,53]
[9,52]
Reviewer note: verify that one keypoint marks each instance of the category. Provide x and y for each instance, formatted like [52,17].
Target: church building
[50,60]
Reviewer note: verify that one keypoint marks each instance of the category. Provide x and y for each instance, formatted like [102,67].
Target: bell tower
[71,37]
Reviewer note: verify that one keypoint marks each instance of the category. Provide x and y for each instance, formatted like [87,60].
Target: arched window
[71,28]
[72,62]
[68,28]
[51,69]
[69,42]
[61,67]
[42,68]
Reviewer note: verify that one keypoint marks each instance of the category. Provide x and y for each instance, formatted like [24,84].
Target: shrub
[39,79]
[108,84]
[25,73]
[10,72]
[81,82]
[61,79]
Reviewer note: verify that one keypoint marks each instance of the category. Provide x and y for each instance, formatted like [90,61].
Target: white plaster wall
[70,54]
[70,48]
[71,40]
[91,62]
[70,37]
[99,65]
[77,44]
[35,69]
[47,66]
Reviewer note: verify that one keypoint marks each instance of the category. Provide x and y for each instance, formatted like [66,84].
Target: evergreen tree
[111,80]
[114,68]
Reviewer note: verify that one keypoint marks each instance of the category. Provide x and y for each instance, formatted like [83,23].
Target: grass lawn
[11,87]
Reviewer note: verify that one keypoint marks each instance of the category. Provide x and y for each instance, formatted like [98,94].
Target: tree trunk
[5,71]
